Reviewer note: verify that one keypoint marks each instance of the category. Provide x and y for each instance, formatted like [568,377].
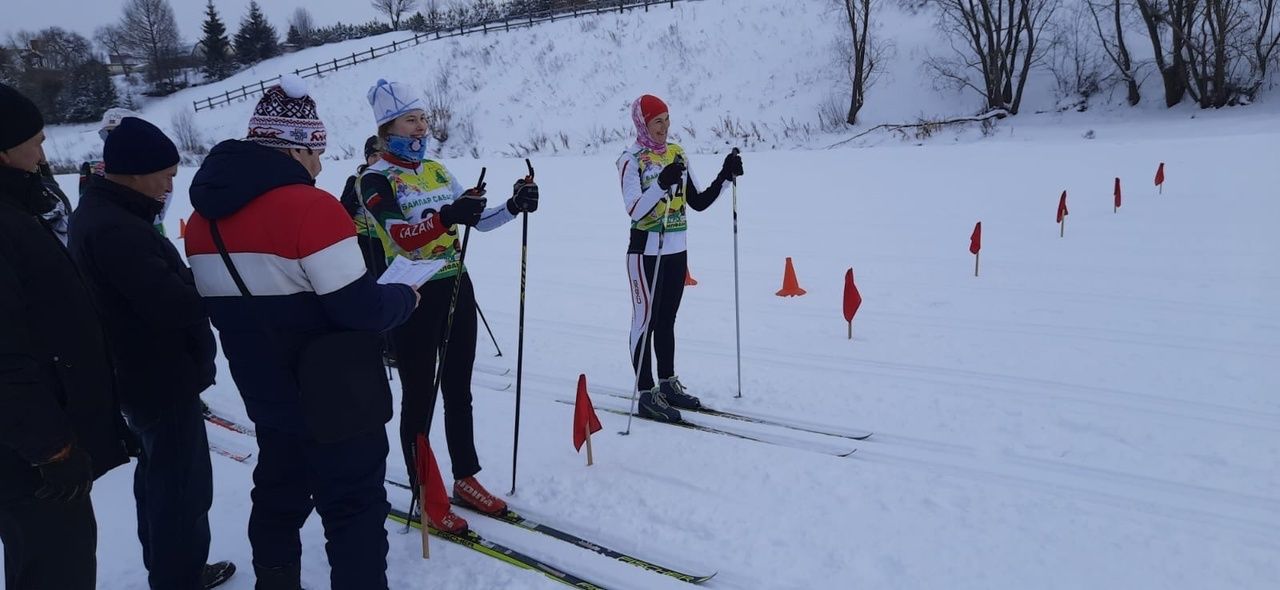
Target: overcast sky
[83,16]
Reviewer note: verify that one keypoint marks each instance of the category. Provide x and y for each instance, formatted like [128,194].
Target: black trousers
[417,343]
[49,545]
[375,259]
[653,311]
[173,489]
[344,483]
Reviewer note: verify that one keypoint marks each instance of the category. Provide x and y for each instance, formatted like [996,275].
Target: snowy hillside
[755,73]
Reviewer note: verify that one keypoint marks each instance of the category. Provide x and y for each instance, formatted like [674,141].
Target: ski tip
[847,454]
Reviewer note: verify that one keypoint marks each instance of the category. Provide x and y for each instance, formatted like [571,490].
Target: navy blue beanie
[138,147]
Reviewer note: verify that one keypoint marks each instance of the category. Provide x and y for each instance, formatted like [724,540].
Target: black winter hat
[138,147]
[372,146]
[21,118]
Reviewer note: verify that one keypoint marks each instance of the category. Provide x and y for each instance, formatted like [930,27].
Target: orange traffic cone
[689,280]
[790,286]
[182,228]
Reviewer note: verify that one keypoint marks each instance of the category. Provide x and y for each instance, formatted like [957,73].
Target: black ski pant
[173,489]
[343,482]
[49,544]
[654,304]
[418,342]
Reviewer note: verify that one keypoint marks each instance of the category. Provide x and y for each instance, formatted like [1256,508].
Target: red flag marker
[585,421]
[975,245]
[852,300]
[431,492]
[1116,208]
[1160,177]
[182,229]
[1062,214]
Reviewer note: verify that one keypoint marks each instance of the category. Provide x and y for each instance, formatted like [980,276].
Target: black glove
[671,175]
[732,167]
[524,198]
[68,479]
[464,211]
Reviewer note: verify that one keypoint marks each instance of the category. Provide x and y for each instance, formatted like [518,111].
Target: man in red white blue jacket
[295,248]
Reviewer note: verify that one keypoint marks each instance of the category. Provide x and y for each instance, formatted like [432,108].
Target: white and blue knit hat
[390,100]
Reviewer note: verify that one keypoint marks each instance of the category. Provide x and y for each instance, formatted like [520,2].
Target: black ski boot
[215,574]
[653,405]
[676,395]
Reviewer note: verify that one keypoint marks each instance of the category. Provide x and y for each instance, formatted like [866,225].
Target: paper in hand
[414,273]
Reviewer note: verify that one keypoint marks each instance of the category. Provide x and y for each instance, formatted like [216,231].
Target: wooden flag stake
[1062,227]
[424,520]
[851,329]
[976,257]
[590,458]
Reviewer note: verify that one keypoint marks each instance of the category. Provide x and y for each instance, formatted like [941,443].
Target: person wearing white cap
[416,205]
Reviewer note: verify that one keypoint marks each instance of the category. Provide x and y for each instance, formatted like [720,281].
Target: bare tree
[864,52]
[1216,51]
[111,38]
[1173,17]
[394,9]
[995,44]
[149,29]
[1114,45]
[1077,63]
[1265,40]
[302,22]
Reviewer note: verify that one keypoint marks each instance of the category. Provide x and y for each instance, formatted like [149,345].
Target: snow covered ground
[1094,411]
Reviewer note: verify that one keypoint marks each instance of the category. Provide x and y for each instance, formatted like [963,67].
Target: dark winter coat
[295,247]
[155,320]
[56,381]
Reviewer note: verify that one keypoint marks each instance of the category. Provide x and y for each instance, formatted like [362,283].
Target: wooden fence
[504,24]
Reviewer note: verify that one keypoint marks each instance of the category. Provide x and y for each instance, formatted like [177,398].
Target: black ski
[513,518]
[712,430]
[756,419]
[472,540]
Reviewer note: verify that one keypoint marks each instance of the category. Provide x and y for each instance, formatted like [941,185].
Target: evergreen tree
[88,94]
[417,23]
[294,38]
[256,39]
[217,48]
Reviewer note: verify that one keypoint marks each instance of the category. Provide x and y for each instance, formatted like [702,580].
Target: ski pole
[737,306]
[524,265]
[444,345]
[480,312]
[653,303]
[369,257]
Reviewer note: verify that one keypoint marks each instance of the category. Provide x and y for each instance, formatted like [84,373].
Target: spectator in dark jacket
[295,249]
[163,349]
[60,426]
